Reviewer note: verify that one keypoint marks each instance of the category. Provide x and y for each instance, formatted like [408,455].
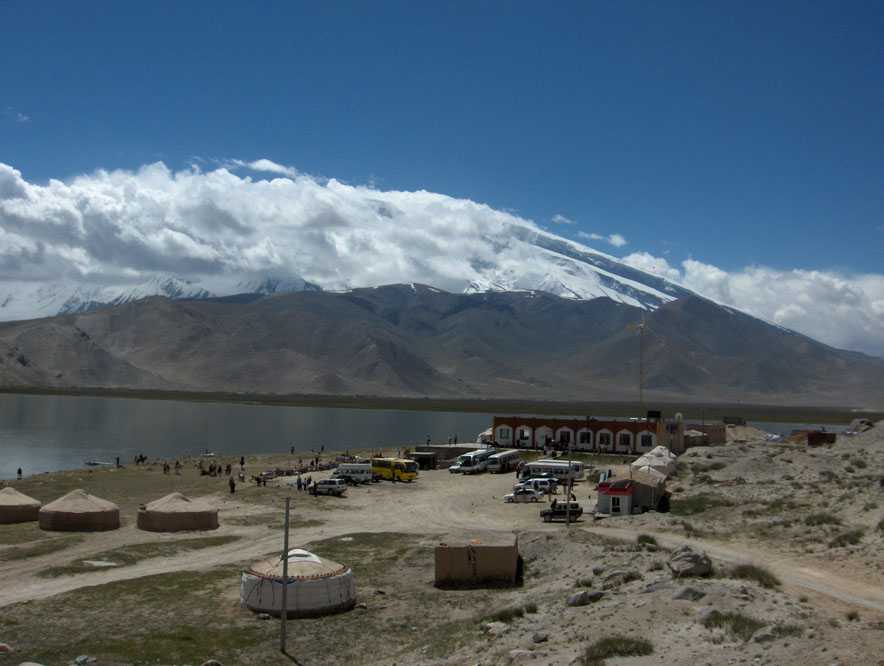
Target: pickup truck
[559,511]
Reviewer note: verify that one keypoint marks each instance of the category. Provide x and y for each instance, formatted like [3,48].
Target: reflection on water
[46,433]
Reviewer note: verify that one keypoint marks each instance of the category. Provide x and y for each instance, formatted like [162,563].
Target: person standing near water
[19,473]
[232,485]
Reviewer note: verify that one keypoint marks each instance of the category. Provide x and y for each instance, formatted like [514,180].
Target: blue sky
[737,148]
[737,135]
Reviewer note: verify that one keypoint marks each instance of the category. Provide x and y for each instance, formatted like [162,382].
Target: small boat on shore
[97,463]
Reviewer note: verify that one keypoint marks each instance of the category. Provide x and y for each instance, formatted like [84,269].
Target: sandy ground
[819,584]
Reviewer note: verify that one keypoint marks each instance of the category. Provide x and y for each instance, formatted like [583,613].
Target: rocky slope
[419,341]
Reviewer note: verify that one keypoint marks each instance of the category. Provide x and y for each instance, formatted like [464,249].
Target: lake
[43,433]
[48,433]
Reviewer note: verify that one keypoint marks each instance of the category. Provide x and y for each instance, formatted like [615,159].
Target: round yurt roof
[79,501]
[303,565]
[178,503]
[10,497]
[177,513]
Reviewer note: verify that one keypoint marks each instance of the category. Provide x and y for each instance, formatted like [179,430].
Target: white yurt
[78,511]
[659,458]
[16,507]
[177,513]
[316,586]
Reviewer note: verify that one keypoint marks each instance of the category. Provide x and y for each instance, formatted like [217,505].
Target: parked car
[524,495]
[560,511]
[335,487]
[542,484]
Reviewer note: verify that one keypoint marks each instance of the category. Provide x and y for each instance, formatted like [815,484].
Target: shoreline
[773,413]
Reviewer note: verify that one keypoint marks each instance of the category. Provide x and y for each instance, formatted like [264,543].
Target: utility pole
[285,579]
[640,327]
[570,485]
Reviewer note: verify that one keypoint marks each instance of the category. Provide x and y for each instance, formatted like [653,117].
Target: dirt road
[438,504]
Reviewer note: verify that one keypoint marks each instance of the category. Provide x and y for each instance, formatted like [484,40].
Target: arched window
[584,437]
[624,440]
[646,440]
[503,434]
[605,439]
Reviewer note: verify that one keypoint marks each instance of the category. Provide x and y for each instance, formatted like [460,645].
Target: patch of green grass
[757,574]
[788,630]
[689,506]
[45,547]
[584,582]
[21,533]
[870,506]
[849,538]
[506,614]
[822,518]
[646,540]
[736,625]
[129,555]
[616,646]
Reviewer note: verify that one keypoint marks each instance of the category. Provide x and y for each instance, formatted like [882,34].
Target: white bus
[472,462]
[503,461]
[560,469]
[355,472]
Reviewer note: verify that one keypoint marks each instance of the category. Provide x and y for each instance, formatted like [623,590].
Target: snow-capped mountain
[552,264]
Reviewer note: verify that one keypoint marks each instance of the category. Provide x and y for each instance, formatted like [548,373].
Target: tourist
[242,461]
[19,473]
[232,485]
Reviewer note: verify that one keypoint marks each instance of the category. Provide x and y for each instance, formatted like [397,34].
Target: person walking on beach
[19,473]
[232,485]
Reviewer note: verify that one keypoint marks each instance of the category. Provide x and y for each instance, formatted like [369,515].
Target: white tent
[316,586]
[659,458]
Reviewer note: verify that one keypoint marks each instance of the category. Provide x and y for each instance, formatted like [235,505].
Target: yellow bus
[394,469]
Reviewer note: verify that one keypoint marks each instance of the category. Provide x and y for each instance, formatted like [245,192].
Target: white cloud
[613,239]
[616,240]
[842,310]
[16,116]
[265,166]
[558,218]
[215,227]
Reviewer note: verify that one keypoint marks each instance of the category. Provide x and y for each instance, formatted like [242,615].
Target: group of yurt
[78,511]
[313,585]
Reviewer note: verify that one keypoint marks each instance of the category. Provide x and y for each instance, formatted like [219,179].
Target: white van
[354,472]
[504,461]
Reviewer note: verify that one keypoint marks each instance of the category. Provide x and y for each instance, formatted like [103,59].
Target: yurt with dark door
[177,513]
[16,507]
[78,511]
[316,586]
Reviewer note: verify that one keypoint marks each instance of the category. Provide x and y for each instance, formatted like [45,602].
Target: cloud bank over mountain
[221,227]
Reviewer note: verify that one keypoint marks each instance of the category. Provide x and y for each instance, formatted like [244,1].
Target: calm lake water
[49,433]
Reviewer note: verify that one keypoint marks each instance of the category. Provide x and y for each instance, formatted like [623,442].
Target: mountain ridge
[417,340]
